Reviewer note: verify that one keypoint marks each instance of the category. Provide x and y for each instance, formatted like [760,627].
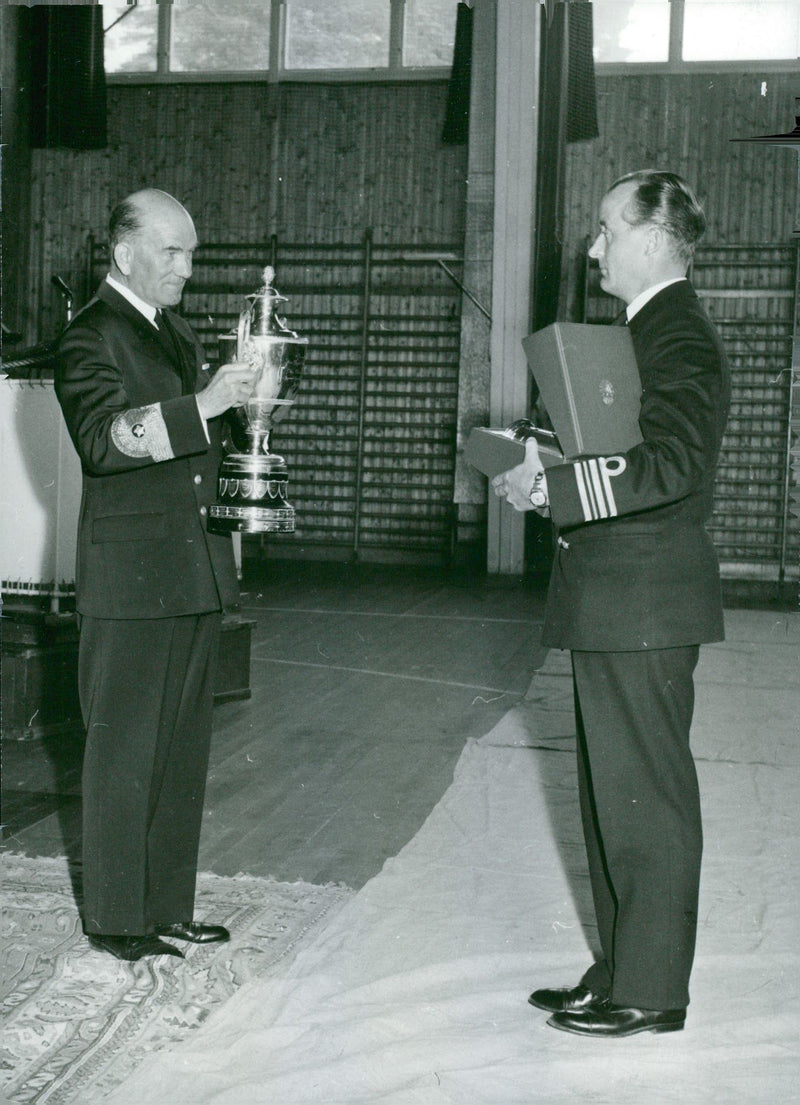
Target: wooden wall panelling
[368,155]
[210,145]
[315,163]
[320,436]
[684,123]
[750,294]
[412,393]
[68,193]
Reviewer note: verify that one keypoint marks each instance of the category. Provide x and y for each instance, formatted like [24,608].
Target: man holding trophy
[152,580]
[633,593]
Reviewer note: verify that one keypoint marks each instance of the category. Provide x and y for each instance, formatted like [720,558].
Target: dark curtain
[68,88]
[568,113]
[16,183]
[581,94]
[456,118]
[553,95]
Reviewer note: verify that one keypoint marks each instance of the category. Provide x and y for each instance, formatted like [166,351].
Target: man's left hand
[516,484]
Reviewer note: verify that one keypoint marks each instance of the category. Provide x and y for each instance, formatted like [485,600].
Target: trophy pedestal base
[251,519]
[252,496]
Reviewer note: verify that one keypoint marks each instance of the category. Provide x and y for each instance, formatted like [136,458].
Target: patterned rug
[78,1021]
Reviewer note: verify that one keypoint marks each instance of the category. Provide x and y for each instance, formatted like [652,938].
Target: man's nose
[183,266]
[596,248]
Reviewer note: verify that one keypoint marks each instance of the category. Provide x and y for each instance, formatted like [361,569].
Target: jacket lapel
[156,339]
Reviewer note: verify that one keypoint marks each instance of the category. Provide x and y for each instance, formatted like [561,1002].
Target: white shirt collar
[146,309]
[636,304]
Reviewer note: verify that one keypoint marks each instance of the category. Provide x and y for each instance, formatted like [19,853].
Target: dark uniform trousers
[640,807]
[146,690]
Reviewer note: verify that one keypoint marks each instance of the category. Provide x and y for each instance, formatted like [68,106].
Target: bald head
[138,210]
[152,239]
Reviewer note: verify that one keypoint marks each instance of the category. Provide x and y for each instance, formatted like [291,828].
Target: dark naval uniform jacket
[635,567]
[127,391]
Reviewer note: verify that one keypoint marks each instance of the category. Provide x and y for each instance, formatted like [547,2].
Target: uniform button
[203,511]
[198,478]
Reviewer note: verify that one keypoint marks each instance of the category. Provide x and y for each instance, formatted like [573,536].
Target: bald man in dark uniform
[633,593]
[151,581]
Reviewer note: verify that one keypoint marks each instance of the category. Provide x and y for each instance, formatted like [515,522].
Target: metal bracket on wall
[440,261]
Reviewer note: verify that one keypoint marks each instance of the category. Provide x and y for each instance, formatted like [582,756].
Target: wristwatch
[538,495]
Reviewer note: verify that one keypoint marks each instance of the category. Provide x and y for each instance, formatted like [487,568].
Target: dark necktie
[168,330]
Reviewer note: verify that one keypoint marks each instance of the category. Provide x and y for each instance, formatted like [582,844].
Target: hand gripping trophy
[253,484]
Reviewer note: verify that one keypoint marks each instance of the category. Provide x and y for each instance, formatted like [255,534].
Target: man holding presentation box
[634,591]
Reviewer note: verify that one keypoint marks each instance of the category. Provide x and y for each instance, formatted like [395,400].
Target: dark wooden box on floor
[40,671]
[233,668]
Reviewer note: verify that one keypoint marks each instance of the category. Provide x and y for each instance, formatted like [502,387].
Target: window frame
[675,62]
[396,71]
[277,72]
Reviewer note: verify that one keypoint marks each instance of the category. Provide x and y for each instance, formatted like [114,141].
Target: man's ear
[655,240]
[122,257]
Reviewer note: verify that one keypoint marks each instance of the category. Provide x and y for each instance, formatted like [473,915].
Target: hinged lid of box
[589,383]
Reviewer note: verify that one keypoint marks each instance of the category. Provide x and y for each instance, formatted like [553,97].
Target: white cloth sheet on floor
[416,990]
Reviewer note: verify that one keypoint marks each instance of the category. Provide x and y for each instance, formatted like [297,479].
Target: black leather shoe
[195,931]
[564,1000]
[132,947]
[603,1018]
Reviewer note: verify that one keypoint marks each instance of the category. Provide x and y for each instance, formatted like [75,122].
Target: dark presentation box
[495,451]
[589,383]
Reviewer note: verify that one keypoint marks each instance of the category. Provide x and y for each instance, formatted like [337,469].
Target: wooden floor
[366,683]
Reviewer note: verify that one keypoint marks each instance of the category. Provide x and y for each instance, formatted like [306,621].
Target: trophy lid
[263,304]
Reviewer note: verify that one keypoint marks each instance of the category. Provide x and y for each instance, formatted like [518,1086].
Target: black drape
[581,94]
[68,88]
[456,118]
[568,113]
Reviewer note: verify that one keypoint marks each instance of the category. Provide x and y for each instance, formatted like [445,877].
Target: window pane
[733,30]
[337,34]
[209,36]
[631,30]
[130,45]
[429,32]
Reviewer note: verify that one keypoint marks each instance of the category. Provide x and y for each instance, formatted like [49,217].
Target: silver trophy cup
[253,482]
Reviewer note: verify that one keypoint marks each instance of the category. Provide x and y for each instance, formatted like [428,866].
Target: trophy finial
[268,276]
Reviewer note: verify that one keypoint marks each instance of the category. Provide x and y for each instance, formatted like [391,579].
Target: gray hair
[124,222]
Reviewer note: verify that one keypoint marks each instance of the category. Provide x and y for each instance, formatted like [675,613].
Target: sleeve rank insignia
[142,432]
